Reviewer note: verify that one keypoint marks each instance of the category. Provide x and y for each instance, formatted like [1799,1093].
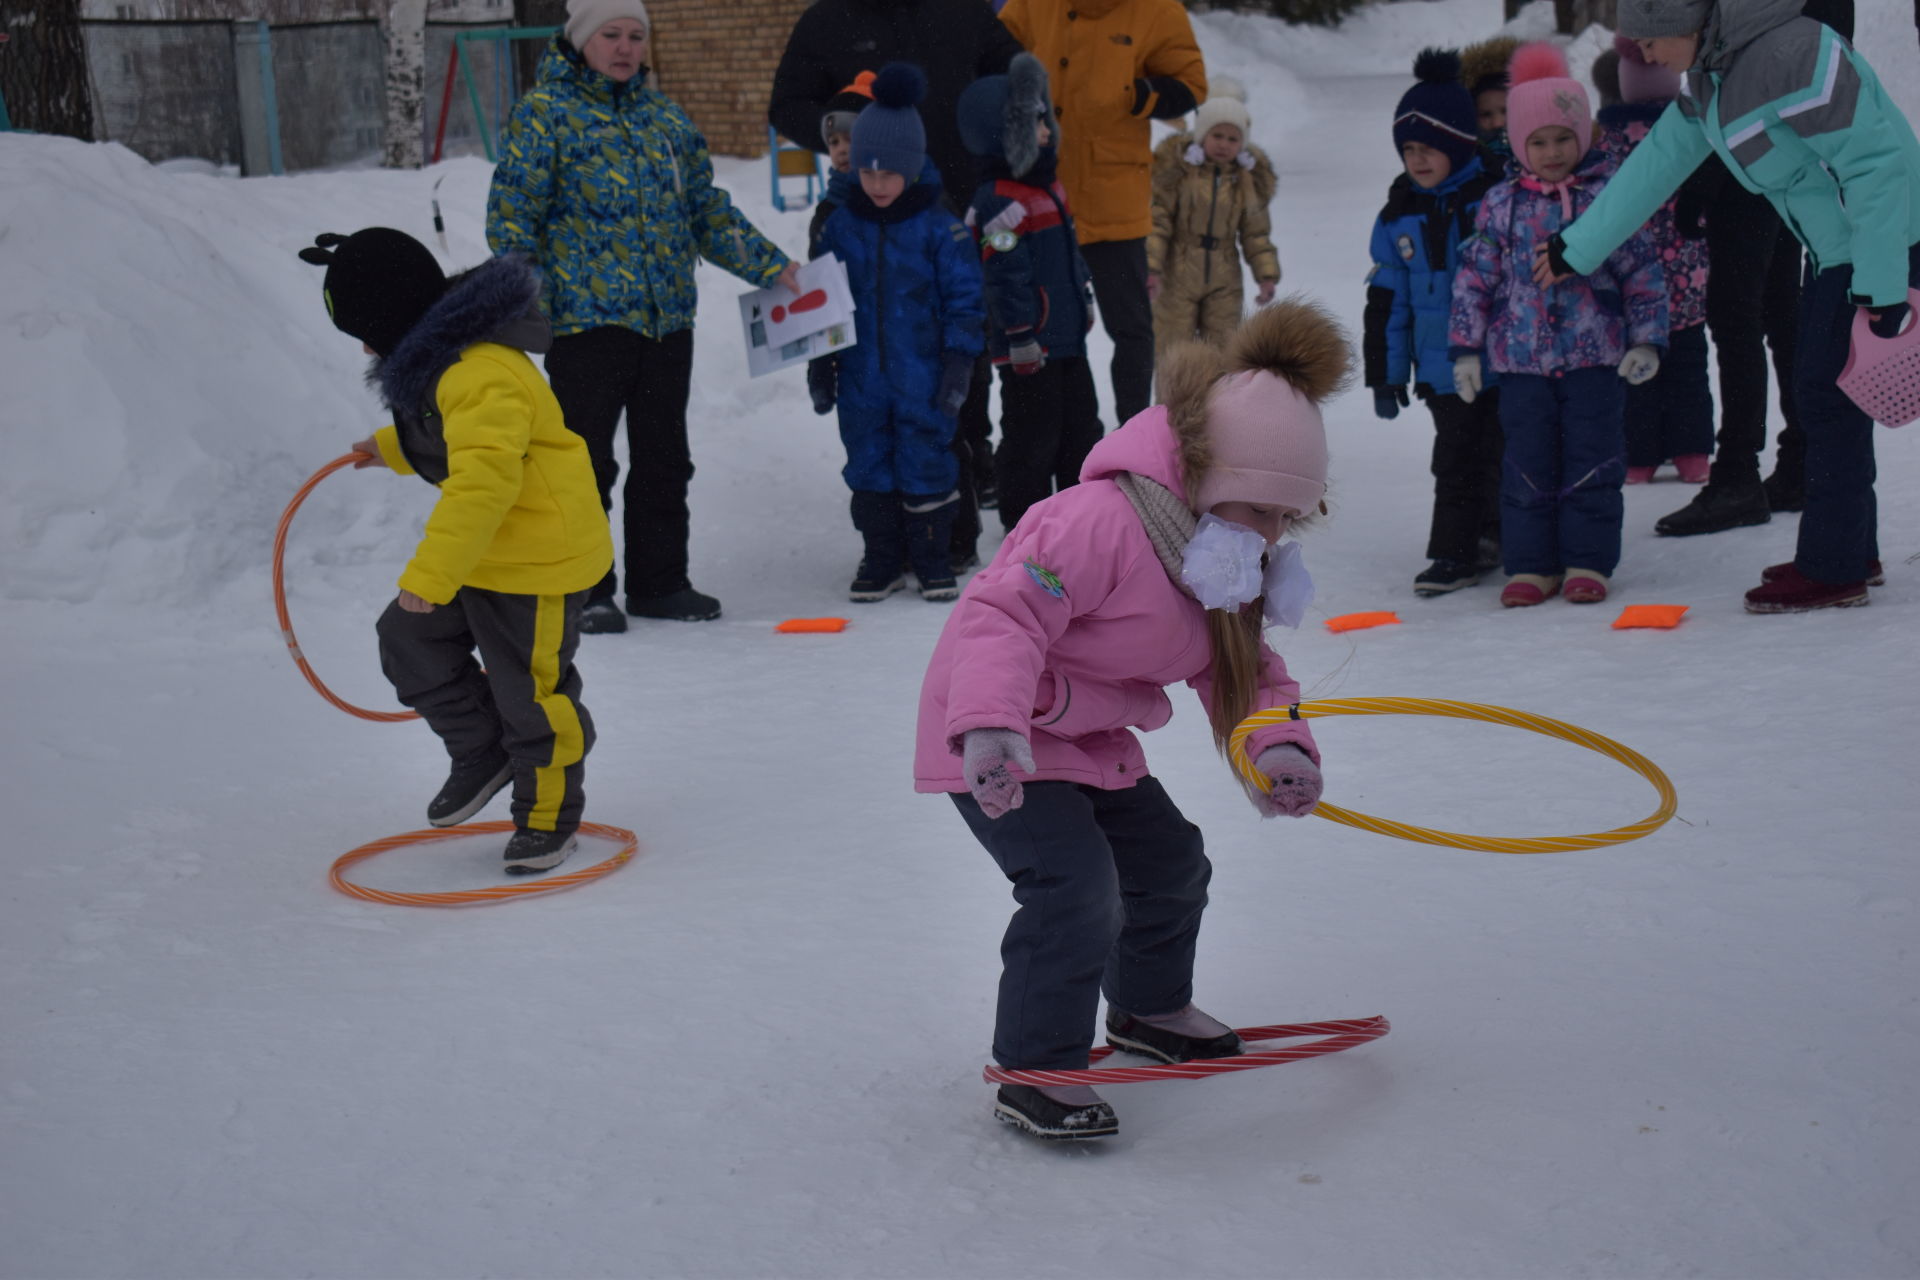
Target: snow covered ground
[755,1050]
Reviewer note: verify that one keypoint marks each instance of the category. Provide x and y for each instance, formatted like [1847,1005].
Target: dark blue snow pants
[1671,414]
[1560,504]
[1110,886]
[1839,529]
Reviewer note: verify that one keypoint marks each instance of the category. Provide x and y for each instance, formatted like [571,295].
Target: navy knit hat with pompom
[1438,112]
[888,135]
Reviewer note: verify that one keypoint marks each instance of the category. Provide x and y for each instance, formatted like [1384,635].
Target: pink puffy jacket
[1072,633]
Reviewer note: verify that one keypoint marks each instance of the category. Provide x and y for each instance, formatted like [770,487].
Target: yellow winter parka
[519,508]
[1200,210]
[1094,52]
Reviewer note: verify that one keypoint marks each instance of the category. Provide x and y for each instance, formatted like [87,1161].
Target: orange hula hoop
[628,842]
[280,600]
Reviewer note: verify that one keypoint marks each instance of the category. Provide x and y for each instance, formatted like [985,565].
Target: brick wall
[716,59]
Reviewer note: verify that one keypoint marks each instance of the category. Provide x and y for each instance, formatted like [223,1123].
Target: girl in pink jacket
[1152,570]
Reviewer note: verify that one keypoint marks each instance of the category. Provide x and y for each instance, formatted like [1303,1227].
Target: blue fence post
[272,97]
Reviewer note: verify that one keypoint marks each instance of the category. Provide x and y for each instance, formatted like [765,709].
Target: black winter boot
[1025,1107]
[468,788]
[529,852]
[929,524]
[1719,506]
[1124,1031]
[883,529]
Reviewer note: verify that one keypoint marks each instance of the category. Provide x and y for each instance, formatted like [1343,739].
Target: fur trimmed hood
[497,301]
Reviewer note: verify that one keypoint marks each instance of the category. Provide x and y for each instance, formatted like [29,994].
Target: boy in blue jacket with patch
[1039,292]
[918,321]
[1430,210]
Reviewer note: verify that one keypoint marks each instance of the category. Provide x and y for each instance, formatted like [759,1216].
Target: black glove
[1557,257]
[1886,322]
[820,383]
[956,379]
[1690,216]
[1388,402]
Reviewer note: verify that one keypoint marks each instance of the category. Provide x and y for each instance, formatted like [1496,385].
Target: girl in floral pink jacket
[1151,571]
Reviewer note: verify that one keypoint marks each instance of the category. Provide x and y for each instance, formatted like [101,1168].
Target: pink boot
[1640,475]
[1527,589]
[1693,467]
[1584,586]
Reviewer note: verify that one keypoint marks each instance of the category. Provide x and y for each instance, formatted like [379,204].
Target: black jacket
[954,41]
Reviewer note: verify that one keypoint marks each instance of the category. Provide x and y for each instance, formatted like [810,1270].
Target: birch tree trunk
[403,25]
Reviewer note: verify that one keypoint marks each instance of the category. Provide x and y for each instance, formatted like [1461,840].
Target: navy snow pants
[1560,504]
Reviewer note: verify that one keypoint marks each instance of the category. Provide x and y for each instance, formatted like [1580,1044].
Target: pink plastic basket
[1883,374]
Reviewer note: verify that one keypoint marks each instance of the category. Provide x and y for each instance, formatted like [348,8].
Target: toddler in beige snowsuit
[1211,188]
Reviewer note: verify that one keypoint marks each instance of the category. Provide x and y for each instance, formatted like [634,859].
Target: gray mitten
[987,756]
[1296,782]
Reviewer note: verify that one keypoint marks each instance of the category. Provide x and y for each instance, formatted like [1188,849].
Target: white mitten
[986,755]
[1467,378]
[1640,364]
[1296,782]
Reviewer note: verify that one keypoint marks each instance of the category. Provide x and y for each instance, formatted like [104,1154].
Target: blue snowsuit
[917,300]
[1416,250]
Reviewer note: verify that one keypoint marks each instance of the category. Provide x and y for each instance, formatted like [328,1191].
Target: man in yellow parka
[1115,65]
[511,547]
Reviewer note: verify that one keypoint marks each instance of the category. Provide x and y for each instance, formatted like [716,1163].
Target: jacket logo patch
[1405,245]
[1002,241]
[1049,582]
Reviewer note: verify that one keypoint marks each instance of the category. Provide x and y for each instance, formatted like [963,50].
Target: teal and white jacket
[1800,118]
[608,188]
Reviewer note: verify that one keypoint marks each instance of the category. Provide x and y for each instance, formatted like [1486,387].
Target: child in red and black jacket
[1039,294]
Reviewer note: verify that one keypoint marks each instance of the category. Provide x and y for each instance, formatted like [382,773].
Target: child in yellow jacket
[511,547]
[1211,187]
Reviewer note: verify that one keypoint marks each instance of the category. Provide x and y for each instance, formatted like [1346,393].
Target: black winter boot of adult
[468,788]
[929,523]
[1124,1031]
[1722,504]
[882,527]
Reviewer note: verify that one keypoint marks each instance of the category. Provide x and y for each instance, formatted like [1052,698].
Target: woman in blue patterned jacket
[607,186]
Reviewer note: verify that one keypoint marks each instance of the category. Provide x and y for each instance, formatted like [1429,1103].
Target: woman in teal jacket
[1799,117]
[606,185]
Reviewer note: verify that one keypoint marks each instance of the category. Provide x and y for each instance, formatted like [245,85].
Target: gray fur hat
[997,114]
[1648,19]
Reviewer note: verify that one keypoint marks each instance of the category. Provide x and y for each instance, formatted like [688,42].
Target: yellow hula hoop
[1669,799]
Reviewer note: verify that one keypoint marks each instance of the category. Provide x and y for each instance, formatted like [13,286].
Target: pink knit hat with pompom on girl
[1542,93]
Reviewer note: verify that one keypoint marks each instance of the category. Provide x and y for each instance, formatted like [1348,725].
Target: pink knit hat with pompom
[1269,445]
[1541,93]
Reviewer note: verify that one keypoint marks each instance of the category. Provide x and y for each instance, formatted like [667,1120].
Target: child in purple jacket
[1151,570]
[1561,352]
[1671,416]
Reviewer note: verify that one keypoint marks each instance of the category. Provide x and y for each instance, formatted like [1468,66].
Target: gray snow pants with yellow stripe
[524,705]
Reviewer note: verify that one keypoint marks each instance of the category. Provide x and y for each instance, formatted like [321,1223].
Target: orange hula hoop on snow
[628,842]
[280,600]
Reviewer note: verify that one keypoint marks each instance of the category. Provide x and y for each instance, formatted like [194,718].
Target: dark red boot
[1795,592]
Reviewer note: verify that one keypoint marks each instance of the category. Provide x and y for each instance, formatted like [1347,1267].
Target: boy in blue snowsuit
[1430,209]
[1039,292]
[918,328]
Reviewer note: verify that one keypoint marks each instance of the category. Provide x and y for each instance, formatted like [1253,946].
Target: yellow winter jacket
[1093,51]
[519,510]
[1199,203]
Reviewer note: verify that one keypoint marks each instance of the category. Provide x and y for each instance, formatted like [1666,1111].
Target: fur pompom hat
[1541,93]
[584,17]
[1483,66]
[1226,104]
[997,114]
[379,283]
[888,135]
[1248,416]
[1438,111]
[1643,81]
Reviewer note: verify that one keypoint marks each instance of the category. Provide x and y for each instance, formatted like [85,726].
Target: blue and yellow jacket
[1416,250]
[519,510]
[1800,118]
[608,188]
